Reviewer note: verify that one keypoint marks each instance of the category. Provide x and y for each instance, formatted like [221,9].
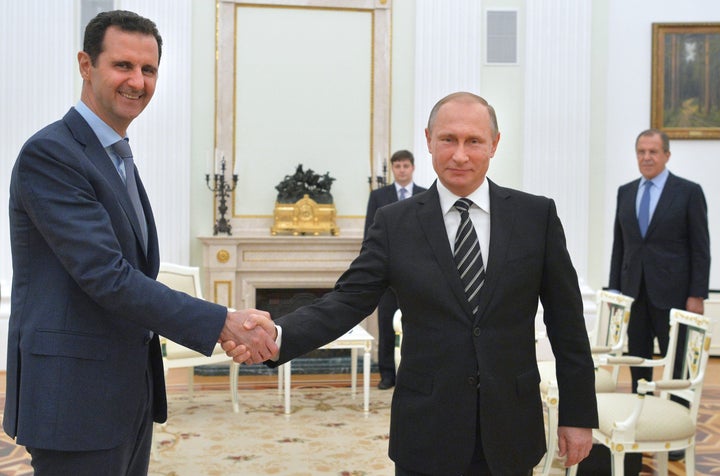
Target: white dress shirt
[479,215]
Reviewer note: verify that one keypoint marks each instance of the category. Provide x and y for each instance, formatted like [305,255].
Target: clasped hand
[249,336]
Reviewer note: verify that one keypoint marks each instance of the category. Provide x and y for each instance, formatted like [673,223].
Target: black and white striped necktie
[468,258]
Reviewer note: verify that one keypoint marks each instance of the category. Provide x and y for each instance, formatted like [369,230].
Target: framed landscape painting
[686,80]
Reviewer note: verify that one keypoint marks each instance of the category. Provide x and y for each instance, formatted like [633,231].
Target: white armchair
[607,338]
[187,280]
[645,423]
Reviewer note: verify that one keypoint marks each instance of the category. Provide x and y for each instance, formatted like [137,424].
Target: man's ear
[84,65]
[495,144]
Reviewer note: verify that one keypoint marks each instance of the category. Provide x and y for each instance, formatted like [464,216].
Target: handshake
[249,336]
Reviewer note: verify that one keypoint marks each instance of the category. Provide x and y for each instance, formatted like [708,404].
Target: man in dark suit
[85,376]
[661,248]
[466,399]
[402,164]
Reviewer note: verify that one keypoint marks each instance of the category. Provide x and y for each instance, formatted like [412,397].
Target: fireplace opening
[279,302]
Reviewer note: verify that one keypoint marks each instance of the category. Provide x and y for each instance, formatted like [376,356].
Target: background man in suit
[85,375]
[660,256]
[402,164]
[466,399]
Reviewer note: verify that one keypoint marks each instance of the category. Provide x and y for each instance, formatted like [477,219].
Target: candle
[217,161]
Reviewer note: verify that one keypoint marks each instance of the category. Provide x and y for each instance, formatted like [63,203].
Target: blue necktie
[403,193]
[122,148]
[468,258]
[644,211]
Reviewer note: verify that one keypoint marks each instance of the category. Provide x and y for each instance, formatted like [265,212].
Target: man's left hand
[574,444]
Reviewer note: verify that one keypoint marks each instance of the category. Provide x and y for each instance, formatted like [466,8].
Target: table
[355,339]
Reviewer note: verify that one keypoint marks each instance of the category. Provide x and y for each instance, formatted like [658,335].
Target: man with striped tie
[467,260]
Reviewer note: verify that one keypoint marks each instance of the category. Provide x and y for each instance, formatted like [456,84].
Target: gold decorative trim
[217,285]
[223,256]
[380,87]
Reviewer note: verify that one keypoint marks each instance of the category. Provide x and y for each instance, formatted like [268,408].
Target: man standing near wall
[85,375]
[402,164]
[661,249]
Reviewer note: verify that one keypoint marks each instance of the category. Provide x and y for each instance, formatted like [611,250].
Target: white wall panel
[37,84]
[161,135]
[557,114]
[447,59]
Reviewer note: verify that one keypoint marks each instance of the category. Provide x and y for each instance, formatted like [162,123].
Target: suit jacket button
[476,332]
[472,381]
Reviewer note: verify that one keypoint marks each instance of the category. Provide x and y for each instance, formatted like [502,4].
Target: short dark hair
[655,132]
[126,21]
[468,97]
[402,155]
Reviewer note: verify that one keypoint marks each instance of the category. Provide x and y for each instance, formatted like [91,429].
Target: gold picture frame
[686,80]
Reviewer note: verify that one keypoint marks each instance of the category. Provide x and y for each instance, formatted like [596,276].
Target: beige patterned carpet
[326,434]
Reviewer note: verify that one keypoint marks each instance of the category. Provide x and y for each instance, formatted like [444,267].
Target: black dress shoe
[676,455]
[385,384]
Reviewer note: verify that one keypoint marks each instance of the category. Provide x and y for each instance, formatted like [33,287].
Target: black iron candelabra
[222,190]
[379,180]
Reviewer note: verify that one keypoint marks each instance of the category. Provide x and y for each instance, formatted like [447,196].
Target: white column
[447,59]
[557,114]
[37,82]
[161,135]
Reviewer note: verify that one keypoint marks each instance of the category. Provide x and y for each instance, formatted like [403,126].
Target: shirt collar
[659,180]
[480,197]
[105,134]
[407,187]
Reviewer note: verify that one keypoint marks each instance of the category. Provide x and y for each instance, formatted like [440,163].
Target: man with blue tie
[661,248]
[402,164]
[85,376]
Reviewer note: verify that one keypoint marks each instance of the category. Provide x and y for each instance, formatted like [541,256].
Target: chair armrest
[628,360]
[646,387]
[597,349]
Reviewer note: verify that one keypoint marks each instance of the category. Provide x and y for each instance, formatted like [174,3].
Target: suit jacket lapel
[630,208]
[97,155]
[390,194]
[502,223]
[430,217]
[663,205]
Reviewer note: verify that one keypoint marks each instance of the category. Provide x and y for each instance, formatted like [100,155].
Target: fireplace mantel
[235,266]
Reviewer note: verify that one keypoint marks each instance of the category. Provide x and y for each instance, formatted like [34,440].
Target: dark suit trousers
[131,458]
[478,465]
[386,335]
[648,322]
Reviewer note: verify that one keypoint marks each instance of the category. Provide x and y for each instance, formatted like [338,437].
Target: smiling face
[462,141]
[122,81]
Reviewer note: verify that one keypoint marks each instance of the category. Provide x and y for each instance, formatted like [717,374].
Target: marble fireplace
[238,268]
